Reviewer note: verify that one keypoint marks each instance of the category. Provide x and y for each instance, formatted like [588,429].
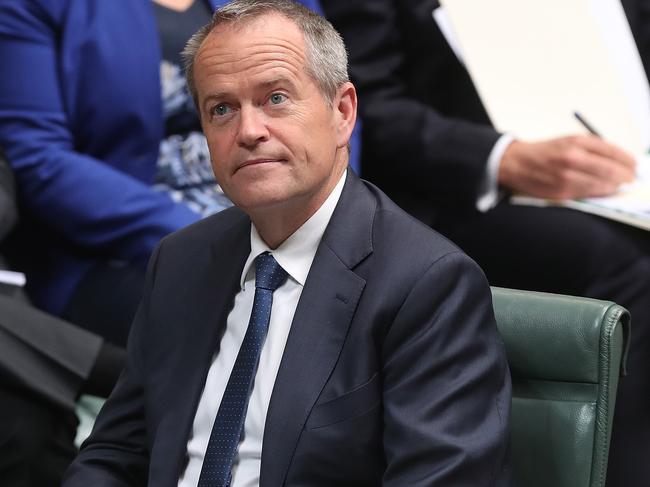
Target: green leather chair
[565,356]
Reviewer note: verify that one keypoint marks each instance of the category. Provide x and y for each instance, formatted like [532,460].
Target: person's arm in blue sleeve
[87,201]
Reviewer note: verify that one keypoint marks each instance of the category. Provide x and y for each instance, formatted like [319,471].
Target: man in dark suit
[382,364]
[429,144]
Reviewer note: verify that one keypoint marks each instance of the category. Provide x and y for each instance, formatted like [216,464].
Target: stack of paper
[631,205]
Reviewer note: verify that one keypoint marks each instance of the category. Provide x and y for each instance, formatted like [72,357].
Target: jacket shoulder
[209,229]
[400,232]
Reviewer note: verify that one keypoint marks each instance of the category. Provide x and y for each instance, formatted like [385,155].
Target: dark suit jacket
[638,16]
[8,207]
[393,373]
[38,353]
[426,137]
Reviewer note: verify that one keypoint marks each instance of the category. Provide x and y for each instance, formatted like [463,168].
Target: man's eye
[277,98]
[221,109]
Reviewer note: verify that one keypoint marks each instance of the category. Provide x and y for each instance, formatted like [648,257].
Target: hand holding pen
[572,167]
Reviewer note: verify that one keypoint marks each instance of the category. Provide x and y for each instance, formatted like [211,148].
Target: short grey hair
[327,59]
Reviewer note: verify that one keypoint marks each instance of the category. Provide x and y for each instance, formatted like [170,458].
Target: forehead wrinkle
[228,55]
[253,68]
[216,63]
[234,50]
[237,41]
[276,42]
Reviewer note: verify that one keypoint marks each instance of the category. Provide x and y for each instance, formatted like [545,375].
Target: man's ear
[345,107]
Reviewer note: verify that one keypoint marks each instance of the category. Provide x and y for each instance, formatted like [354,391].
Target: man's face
[274,140]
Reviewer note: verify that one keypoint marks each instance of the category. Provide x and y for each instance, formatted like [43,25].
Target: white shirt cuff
[489,194]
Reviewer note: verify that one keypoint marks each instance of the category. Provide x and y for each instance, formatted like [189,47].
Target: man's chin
[261,203]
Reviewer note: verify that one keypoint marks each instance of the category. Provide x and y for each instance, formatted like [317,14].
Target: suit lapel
[206,322]
[319,328]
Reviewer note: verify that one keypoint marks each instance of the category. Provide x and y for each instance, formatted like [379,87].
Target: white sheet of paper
[632,198]
[12,278]
[631,205]
[536,63]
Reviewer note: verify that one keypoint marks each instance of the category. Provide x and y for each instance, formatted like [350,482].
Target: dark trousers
[45,363]
[36,440]
[569,252]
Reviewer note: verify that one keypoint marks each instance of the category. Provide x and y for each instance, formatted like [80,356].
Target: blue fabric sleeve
[85,200]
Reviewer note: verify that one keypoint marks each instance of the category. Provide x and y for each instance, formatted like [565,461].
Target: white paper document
[12,278]
[536,63]
[631,205]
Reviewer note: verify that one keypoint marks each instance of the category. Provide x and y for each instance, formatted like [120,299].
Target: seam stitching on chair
[612,316]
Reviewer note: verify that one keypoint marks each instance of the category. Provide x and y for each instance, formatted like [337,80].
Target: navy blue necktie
[229,423]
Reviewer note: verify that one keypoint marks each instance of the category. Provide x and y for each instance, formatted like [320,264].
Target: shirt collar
[297,252]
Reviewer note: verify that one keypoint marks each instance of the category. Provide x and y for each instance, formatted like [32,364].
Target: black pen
[586,124]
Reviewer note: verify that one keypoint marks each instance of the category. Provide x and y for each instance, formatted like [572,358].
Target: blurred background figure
[45,364]
[95,136]
[108,156]
[429,144]
[106,146]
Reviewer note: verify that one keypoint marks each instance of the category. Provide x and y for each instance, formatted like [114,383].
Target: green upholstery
[565,355]
[87,410]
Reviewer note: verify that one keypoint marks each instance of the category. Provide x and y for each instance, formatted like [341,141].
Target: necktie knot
[268,273]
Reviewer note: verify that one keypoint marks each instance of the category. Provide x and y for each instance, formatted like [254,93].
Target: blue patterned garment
[184,169]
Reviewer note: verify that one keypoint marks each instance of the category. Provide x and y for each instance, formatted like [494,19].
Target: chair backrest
[565,355]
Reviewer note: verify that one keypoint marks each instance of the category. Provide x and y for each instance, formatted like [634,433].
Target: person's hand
[578,166]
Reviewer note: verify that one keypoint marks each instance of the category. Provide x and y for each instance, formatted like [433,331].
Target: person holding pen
[429,144]
[579,166]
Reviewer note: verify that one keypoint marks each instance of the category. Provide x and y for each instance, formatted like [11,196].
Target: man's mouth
[258,161]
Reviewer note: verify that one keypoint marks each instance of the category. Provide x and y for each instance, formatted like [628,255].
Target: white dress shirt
[489,194]
[295,255]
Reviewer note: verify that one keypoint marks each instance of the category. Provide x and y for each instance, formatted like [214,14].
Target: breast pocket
[350,405]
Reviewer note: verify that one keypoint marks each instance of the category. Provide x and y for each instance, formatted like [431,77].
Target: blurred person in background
[106,146]
[45,364]
[108,155]
[429,144]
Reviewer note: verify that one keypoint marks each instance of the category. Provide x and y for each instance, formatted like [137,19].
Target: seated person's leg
[45,364]
[105,371]
[565,251]
[36,440]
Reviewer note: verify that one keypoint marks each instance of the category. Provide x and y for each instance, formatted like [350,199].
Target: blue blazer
[81,122]
[393,373]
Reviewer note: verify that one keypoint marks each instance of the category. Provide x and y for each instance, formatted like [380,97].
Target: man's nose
[252,126]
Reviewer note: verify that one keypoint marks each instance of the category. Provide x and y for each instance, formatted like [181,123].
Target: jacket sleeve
[88,202]
[8,209]
[116,453]
[638,16]
[446,383]
[412,140]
